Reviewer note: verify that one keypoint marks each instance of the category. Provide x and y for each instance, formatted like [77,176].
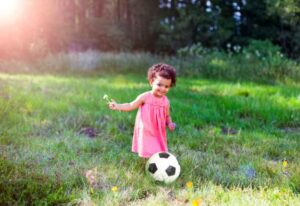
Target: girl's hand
[171,126]
[113,105]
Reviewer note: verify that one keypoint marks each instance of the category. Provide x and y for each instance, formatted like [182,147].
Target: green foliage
[262,49]
[186,23]
[288,10]
[196,50]
[261,61]
[274,64]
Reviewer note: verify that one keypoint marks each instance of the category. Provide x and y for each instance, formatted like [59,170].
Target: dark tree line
[160,26]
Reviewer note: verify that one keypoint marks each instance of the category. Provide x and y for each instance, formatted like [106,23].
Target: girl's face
[160,86]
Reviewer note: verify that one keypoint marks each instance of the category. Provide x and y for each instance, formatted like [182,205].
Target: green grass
[231,141]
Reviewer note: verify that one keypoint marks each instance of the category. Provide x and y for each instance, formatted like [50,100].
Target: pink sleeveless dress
[149,135]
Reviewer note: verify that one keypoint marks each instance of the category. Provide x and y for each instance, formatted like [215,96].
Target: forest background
[156,26]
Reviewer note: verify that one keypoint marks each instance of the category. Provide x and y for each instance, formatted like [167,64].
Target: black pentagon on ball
[164,155]
[171,170]
[152,168]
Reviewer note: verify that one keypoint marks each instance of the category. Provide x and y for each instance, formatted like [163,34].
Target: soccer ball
[163,167]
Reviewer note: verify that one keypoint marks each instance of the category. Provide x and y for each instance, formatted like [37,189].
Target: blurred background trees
[158,26]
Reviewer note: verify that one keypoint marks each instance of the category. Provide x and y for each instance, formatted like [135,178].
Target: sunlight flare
[9,9]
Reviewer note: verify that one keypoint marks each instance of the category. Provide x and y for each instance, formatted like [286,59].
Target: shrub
[195,50]
[273,64]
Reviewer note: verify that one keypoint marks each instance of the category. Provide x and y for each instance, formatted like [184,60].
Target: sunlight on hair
[9,9]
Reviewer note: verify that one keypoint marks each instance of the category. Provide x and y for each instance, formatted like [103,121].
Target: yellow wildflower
[45,122]
[189,184]
[284,163]
[197,202]
[114,189]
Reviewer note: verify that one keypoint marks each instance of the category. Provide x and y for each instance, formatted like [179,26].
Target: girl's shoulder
[143,96]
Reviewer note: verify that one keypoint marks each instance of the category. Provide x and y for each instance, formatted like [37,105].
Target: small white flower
[105,97]
[237,48]
[257,53]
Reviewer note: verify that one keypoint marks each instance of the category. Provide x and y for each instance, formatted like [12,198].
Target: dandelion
[106,98]
[114,189]
[284,167]
[284,164]
[197,202]
[189,184]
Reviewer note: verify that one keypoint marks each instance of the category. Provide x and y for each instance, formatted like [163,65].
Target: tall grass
[85,62]
[255,63]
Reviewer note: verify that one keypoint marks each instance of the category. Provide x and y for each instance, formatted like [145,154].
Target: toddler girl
[153,115]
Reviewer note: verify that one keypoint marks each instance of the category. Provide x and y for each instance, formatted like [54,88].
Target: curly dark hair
[163,70]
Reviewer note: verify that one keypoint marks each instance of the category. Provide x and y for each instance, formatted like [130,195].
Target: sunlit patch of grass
[243,101]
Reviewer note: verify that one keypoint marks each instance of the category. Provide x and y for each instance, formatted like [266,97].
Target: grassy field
[237,143]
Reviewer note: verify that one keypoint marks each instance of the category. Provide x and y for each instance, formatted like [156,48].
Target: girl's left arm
[171,125]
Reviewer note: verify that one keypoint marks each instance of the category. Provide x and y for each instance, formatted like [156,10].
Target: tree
[187,22]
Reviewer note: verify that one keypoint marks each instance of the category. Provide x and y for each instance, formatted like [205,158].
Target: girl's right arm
[128,106]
